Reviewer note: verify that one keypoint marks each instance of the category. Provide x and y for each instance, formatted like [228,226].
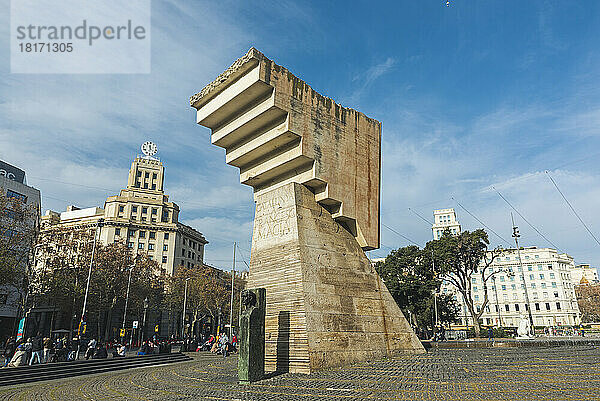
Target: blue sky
[474,95]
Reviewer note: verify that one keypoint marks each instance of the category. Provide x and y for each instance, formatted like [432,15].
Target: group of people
[39,350]
[34,350]
[217,344]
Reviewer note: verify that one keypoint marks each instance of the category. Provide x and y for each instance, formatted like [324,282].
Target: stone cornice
[251,55]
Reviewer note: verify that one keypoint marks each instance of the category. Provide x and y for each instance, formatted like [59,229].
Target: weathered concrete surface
[326,305]
[315,169]
[277,129]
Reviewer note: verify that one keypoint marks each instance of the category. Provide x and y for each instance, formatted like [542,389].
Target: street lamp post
[231,306]
[144,322]
[435,307]
[184,306]
[127,300]
[99,225]
[516,235]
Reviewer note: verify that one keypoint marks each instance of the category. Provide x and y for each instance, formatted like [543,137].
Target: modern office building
[140,216]
[13,186]
[546,275]
[444,219]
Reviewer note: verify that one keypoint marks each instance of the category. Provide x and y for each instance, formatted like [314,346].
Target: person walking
[91,348]
[234,343]
[47,343]
[9,350]
[36,349]
[224,341]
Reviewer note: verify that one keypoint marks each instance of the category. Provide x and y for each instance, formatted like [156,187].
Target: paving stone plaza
[560,373]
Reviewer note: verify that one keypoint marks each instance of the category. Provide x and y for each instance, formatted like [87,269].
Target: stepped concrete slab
[315,169]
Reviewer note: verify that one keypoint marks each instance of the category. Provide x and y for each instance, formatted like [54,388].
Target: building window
[475,288]
[137,184]
[16,195]
[476,297]
[153,176]
[153,186]
[513,286]
[183,253]
[537,306]
[532,285]
[537,256]
[141,245]
[558,306]
[144,209]
[121,208]
[154,210]
[165,247]
[131,233]
[138,174]
[503,288]
[551,275]
[147,175]
[117,231]
[134,209]
[164,259]
[517,307]
[554,284]
[130,245]
[530,268]
[142,234]
[150,247]
[145,185]
[541,276]
[555,294]
[543,285]
[152,234]
[507,307]
[166,235]
[547,306]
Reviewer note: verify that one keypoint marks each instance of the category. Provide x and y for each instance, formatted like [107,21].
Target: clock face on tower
[149,148]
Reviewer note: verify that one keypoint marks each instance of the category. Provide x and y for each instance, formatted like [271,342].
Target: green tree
[62,281]
[19,224]
[208,292]
[410,278]
[461,258]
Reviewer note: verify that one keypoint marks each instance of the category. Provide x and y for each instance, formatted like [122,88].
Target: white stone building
[444,219]
[140,216]
[547,278]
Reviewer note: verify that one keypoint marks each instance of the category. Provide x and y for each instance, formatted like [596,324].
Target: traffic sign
[122,332]
[135,324]
[156,328]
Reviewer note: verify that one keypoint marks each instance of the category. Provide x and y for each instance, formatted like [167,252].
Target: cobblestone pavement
[564,373]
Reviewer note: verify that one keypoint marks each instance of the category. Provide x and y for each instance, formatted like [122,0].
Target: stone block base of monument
[325,304]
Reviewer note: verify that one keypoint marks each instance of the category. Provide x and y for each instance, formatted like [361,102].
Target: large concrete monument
[315,169]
